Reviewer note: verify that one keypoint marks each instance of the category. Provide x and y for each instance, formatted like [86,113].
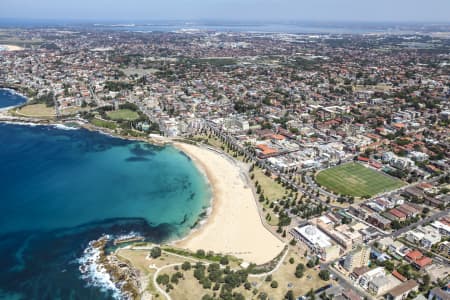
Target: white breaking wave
[95,274]
[22,123]
[64,127]
[14,92]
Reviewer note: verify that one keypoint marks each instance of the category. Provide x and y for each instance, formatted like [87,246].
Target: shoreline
[232,213]
[12,48]
[234,225]
[16,93]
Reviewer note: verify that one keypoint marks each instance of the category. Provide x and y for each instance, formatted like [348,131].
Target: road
[431,218]
[348,284]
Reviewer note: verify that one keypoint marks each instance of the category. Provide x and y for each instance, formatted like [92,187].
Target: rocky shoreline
[108,272]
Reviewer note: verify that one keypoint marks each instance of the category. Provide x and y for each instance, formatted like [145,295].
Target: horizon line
[231,20]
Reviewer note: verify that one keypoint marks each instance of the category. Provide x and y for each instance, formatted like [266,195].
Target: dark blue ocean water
[60,189]
[10,98]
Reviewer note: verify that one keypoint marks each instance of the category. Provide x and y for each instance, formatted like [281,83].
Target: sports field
[123,114]
[354,179]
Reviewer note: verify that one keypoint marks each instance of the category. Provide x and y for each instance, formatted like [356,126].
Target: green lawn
[103,123]
[123,114]
[354,179]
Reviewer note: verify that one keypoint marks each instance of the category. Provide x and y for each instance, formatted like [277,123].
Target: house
[417,259]
[422,262]
[377,282]
[431,236]
[438,294]
[368,276]
[358,272]
[397,249]
[350,294]
[379,221]
[426,236]
[385,242]
[409,210]
[420,297]
[414,236]
[379,256]
[399,276]
[399,216]
[402,291]
[445,248]
[442,226]
[381,284]
[413,255]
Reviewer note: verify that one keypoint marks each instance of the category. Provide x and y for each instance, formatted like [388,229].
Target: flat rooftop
[314,235]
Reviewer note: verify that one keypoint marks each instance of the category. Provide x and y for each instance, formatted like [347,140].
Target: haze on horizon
[243,10]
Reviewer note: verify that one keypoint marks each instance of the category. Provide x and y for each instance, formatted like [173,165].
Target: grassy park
[123,114]
[37,110]
[356,180]
[103,123]
[192,286]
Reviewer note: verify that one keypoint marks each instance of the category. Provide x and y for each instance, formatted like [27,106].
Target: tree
[262,296]
[299,270]
[186,266]
[274,284]
[311,263]
[199,274]
[176,277]
[425,283]
[163,279]
[155,252]
[269,278]
[289,295]
[388,265]
[324,275]
[200,253]
[206,283]
[310,295]
[291,260]
[224,260]
[238,296]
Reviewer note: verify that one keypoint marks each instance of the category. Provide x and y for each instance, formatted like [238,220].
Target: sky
[243,10]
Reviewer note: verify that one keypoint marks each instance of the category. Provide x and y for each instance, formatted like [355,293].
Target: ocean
[61,189]
[10,98]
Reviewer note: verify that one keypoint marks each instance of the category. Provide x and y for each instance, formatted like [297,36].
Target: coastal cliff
[97,266]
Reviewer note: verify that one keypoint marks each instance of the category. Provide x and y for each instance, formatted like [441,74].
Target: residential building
[438,294]
[381,284]
[402,291]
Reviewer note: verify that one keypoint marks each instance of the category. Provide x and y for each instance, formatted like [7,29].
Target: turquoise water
[10,98]
[62,188]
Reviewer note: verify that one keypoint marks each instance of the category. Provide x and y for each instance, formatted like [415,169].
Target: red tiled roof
[424,261]
[414,255]
[399,276]
[266,149]
[395,212]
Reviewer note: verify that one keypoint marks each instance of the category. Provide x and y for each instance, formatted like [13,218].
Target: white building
[317,241]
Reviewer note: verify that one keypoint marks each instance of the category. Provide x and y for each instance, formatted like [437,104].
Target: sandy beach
[11,48]
[234,226]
